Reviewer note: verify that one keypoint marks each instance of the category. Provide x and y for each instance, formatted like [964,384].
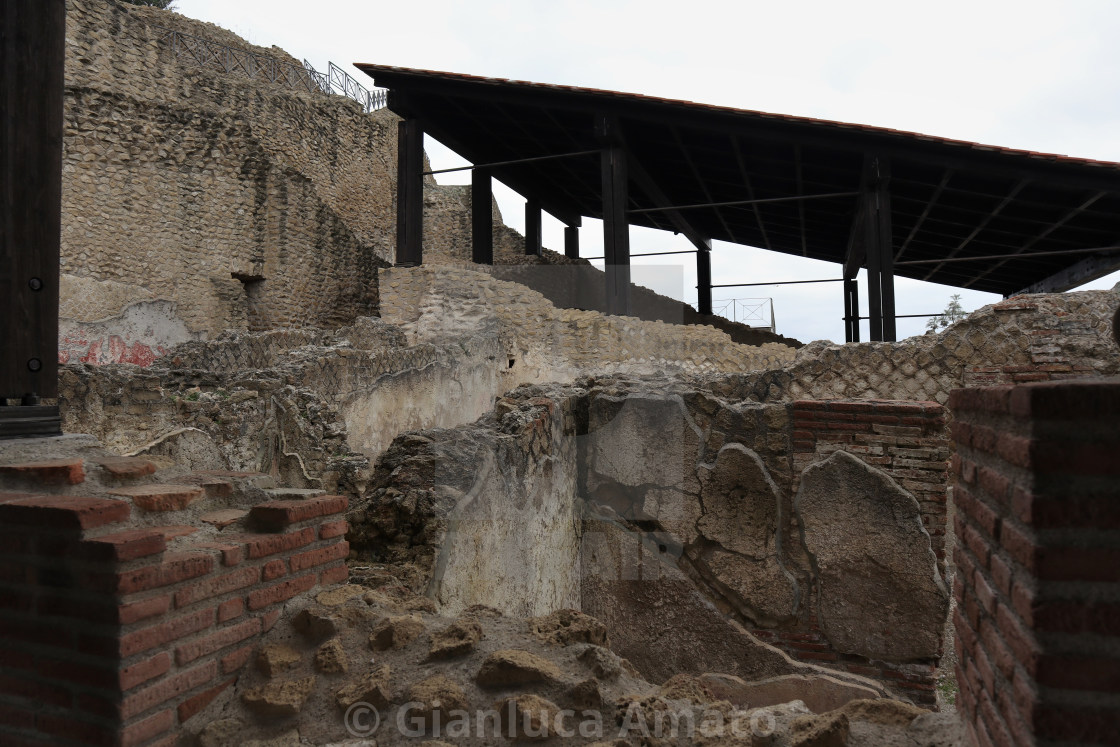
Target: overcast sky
[1041,76]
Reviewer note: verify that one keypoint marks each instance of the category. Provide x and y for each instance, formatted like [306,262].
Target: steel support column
[533,238]
[410,193]
[31,115]
[704,280]
[482,217]
[571,242]
[879,248]
[851,310]
[616,229]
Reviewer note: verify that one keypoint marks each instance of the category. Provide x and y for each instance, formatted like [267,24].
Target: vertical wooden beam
[571,242]
[616,229]
[878,245]
[704,279]
[482,217]
[410,193]
[851,310]
[32,53]
[533,238]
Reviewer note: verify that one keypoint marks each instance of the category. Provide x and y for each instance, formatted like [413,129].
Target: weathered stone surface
[881,595]
[885,712]
[315,624]
[394,632]
[373,688]
[528,717]
[566,626]
[686,687]
[331,657]
[437,697]
[606,664]
[827,730]
[274,658]
[458,638]
[289,738]
[820,693]
[662,442]
[279,698]
[339,594]
[584,695]
[225,732]
[513,667]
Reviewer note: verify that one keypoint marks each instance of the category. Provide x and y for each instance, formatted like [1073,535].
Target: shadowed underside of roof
[962,214]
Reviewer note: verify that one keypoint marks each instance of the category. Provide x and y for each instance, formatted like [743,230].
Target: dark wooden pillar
[32,52]
[879,246]
[851,310]
[704,279]
[571,242]
[482,217]
[410,193]
[616,229]
[533,239]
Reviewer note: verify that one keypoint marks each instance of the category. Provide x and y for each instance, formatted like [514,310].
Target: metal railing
[753,312]
[211,55]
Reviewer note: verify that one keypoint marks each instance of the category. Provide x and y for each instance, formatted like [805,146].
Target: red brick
[230,609]
[1099,672]
[167,689]
[65,669]
[142,610]
[173,569]
[333,529]
[263,545]
[1059,616]
[276,515]
[1019,545]
[312,558]
[217,585]
[1075,457]
[984,593]
[1001,574]
[334,575]
[127,467]
[122,546]
[142,671]
[148,729]
[196,703]
[160,497]
[269,619]
[995,484]
[1071,724]
[236,659]
[1091,564]
[62,512]
[15,717]
[157,635]
[281,591]
[231,554]
[1021,641]
[998,651]
[35,691]
[70,728]
[196,649]
[49,471]
[274,569]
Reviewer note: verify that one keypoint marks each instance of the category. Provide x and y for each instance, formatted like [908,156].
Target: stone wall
[129,606]
[545,343]
[1037,486]
[236,203]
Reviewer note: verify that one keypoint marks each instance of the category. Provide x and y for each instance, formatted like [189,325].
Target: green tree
[954,312]
[165,4]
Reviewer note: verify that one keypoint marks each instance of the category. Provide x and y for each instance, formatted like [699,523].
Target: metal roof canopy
[898,203]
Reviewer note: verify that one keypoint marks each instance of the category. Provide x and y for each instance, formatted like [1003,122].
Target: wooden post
[410,193]
[851,310]
[571,242]
[704,279]
[616,229]
[32,53]
[533,239]
[879,246]
[482,217]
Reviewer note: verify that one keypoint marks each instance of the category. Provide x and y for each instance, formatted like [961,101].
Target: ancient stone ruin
[307,498]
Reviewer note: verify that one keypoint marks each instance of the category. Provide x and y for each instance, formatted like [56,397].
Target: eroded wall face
[195,201]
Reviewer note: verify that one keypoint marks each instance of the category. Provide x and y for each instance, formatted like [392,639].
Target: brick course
[1037,485]
[159,634]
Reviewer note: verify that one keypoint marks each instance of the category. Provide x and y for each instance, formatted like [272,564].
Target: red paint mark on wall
[115,349]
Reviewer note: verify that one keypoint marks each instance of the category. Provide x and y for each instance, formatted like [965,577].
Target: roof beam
[1054,227]
[700,180]
[1077,274]
[800,204]
[653,191]
[750,190]
[925,213]
[1015,189]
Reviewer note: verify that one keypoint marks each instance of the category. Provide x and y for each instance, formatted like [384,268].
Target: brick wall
[1037,489]
[108,636]
[908,441]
